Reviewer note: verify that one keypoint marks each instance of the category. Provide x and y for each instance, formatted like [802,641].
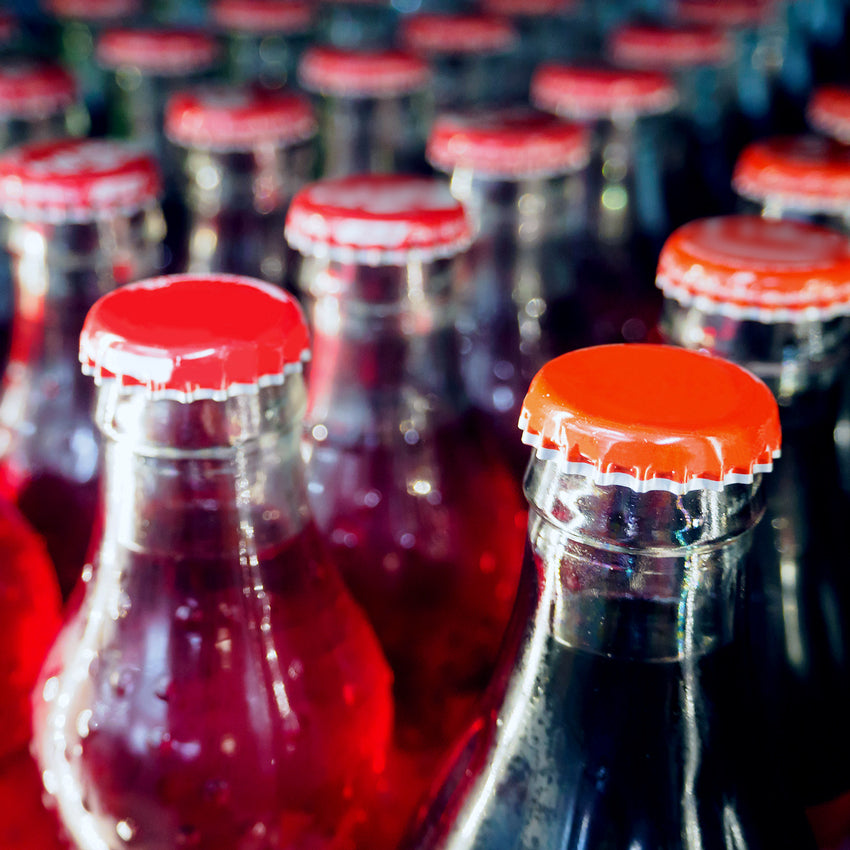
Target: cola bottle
[520,173]
[613,717]
[82,217]
[374,107]
[245,153]
[773,296]
[697,160]
[217,686]
[357,24]
[472,56]
[626,215]
[264,38]
[399,461]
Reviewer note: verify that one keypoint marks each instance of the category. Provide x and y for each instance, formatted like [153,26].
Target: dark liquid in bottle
[230,705]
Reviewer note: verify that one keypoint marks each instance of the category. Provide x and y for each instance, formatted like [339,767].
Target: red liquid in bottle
[178,724]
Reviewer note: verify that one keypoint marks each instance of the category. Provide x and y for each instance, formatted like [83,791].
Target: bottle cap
[31,89]
[728,14]
[760,269]
[803,172]
[378,220]
[92,10]
[226,118]
[8,27]
[528,8]
[829,112]
[511,144]
[586,92]
[75,180]
[654,47]
[189,337]
[652,417]
[448,33]
[263,16]
[157,51]
[362,73]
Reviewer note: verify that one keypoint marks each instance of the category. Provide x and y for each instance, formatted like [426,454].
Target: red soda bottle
[217,687]
[264,38]
[611,720]
[520,173]
[245,153]
[374,106]
[407,480]
[774,296]
[82,217]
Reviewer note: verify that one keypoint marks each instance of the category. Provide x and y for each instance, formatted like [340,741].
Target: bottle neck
[384,343]
[205,478]
[781,208]
[640,576]
[797,360]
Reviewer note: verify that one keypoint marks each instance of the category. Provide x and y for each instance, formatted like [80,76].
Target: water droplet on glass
[83,719]
[51,689]
[126,829]
[162,688]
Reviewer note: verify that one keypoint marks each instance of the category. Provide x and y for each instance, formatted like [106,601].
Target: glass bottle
[471,56]
[217,686]
[246,151]
[357,24]
[38,100]
[374,108]
[80,23]
[774,296]
[697,159]
[626,216]
[519,172]
[147,66]
[264,38]
[81,218]
[399,461]
[612,718]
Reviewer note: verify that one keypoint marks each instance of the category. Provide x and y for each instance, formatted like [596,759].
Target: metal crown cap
[189,337]
[451,33]
[652,417]
[829,112]
[93,10]
[654,47]
[725,13]
[765,270]
[263,16]
[591,92]
[378,220]
[529,8]
[362,73]
[229,118]
[73,180]
[805,172]
[167,52]
[512,144]
[33,89]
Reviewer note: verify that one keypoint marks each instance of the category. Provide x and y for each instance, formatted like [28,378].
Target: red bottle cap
[652,417]
[378,220]
[766,270]
[225,118]
[529,8]
[804,172]
[8,27]
[447,33]
[829,112]
[584,92]
[30,89]
[263,16]
[76,180]
[165,52]
[93,10]
[190,337]
[511,144]
[360,73]
[669,47]
[725,13]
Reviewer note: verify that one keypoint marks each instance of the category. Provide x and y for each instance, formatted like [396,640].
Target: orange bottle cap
[804,172]
[652,417]
[829,112]
[765,270]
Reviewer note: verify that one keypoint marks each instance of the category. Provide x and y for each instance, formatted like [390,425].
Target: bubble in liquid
[126,829]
